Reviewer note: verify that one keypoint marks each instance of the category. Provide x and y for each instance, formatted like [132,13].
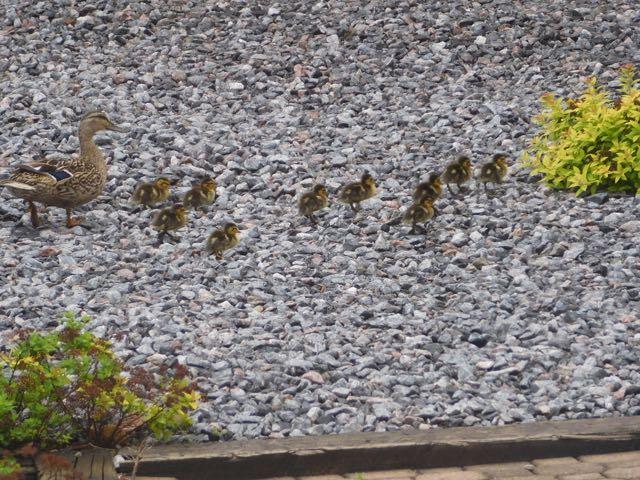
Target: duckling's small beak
[116,128]
[174,181]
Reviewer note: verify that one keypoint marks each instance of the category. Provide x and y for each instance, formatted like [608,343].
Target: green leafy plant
[9,468]
[591,143]
[68,386]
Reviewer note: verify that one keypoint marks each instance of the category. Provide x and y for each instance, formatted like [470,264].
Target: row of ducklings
[424,195]
[204,193]
[176,216]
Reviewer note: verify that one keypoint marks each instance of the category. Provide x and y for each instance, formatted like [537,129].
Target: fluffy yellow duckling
[152,193]
[201,194]
[354,193]
[312,201]
[224,239]
[419,212]
[168,219]
[458,172]
[493,171]
[431,189]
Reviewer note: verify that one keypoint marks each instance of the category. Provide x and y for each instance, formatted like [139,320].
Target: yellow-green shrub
[63,386]
[591,143]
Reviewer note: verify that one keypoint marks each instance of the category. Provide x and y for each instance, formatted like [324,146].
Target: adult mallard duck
[68,183]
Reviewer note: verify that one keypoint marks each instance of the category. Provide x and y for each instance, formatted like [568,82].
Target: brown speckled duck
[68,183]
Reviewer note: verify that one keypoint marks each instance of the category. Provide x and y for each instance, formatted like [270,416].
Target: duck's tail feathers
[17,185]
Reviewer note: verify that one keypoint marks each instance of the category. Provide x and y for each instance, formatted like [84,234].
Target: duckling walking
[224,239]
[152,193]
[431,189]
[458,172]
[201,194]
[354,193]
[493,171]
[312,201]
[68,183]
[169,219]
[419,212]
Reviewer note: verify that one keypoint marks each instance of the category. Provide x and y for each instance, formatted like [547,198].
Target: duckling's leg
[160,239]
[72,222]
[313,219]
[33,210]
[449,188]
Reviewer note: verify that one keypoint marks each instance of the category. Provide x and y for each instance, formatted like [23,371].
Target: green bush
[592,143]
[68,386]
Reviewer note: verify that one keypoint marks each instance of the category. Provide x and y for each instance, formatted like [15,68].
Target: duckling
[152,193]
[224,239]
[354,193]
[201,194]
[419,212]
[313,200]
[431,189]
[458,172]
[170,218]
[493,171]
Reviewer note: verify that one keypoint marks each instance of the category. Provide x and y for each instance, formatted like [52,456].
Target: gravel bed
[515,307]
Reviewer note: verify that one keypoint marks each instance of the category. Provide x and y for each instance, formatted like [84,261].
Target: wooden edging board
[335,454]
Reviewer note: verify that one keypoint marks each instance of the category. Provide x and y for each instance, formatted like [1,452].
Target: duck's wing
[52,172]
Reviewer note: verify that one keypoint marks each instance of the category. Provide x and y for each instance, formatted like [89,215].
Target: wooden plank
[254,459]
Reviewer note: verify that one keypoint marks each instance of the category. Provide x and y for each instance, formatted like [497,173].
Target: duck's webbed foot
[33,211]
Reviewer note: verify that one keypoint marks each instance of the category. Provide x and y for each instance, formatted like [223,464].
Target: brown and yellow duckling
[431,189]
[458,172]
[494,171]
[169,219]
[312,201]
[67,183]
[201,194]
[152,193]
[223,239]
[354,193]
[419,212]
